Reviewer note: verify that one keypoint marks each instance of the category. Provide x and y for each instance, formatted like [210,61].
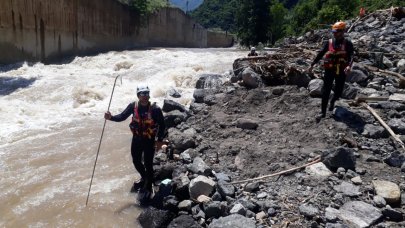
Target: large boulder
[388,190]
[339,157]
[359,214]
[201,185]
[184,221]
[209,81]
[174,118]
[182,140]
[170,105]
[155,218]
[234,221]
[357,76]
[296,77]
[315,87]
[251,79]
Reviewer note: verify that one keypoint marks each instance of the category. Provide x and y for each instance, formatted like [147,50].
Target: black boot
[332,105]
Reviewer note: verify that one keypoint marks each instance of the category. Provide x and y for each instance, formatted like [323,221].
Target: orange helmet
[340,25]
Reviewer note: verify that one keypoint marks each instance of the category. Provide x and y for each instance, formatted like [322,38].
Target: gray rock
[169,105]
[379,201]
[261,195]
[201,185]
[392,214]
[181,186]
[184,221]
[391,105]
[173,93]
[209,81]
[350,91]
[347,189]
[318,170]
[251,79]
[401,65]
[374,132]
[308,210]
[388,190]
[185,157]
[247,124]
[182,140]
[213,209]
[155,218]
[271,212]
[357,76]
[331,214]
[339,157]
[174,118]
[335,225]
[351,119]
[359,214]
[199,167]
[248,204]
[387,62]
[225,189]
[234,221]
[395,159]
[199,95]
[238,209]
[216,197]
[185,205]
[315,87]
[222,177]
[252,187]
[278,91]
[397,125]
[357,180]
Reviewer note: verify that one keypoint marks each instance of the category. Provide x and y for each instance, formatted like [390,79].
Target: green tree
[278,21]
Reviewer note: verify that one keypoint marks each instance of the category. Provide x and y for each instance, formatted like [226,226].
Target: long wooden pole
[392,133]
[318,159]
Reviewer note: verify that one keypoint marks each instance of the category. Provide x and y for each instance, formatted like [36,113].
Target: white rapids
[50,126]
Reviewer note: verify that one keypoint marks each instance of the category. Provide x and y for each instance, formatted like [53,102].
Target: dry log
[399,76]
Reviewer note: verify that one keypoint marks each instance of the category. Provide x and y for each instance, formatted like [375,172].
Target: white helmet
[253,49]
[142,88]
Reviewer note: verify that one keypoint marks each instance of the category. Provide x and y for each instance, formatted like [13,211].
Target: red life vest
[336,58]
[143,126]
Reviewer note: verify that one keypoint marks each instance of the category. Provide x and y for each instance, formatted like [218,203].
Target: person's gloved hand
[107,115]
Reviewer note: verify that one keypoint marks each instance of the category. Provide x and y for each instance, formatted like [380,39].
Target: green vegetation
[145,6]
[267,21]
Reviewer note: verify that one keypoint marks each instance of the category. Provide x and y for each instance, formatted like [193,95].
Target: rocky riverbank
[260,120]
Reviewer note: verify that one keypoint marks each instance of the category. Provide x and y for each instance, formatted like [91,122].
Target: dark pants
[146,147]
[330,76]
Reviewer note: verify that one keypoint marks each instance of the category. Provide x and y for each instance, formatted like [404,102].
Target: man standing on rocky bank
[337,63]
[147,125]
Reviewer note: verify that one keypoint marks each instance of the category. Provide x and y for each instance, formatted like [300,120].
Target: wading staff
[99,144]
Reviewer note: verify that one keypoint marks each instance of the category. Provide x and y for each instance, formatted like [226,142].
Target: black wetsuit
[330,74]
[143,145]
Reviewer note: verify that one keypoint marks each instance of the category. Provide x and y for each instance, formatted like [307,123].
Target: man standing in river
[148,128]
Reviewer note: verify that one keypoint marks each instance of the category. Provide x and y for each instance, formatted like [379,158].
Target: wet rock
[379,201]
[395,159]
[392,214]
[238,209]
[315,87]
[374,132]
[397,125]
[388,190]
[173,93]
[347,189]
[308,210]
[318,170]
[169,105]
[155,218]
[234,221]
[339,157]
[209,81]
[201,185]
[174,118]
[199,167]
[225,189]
[184,221]
[251,79]
[247,124]
[359,214]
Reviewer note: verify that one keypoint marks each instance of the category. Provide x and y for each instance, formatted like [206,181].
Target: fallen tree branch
[317,159]
[375,69]
[392,133]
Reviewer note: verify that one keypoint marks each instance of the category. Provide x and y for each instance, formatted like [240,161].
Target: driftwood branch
[317,159]
[392,133]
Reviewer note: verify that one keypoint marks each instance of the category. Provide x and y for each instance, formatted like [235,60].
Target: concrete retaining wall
[48,30]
